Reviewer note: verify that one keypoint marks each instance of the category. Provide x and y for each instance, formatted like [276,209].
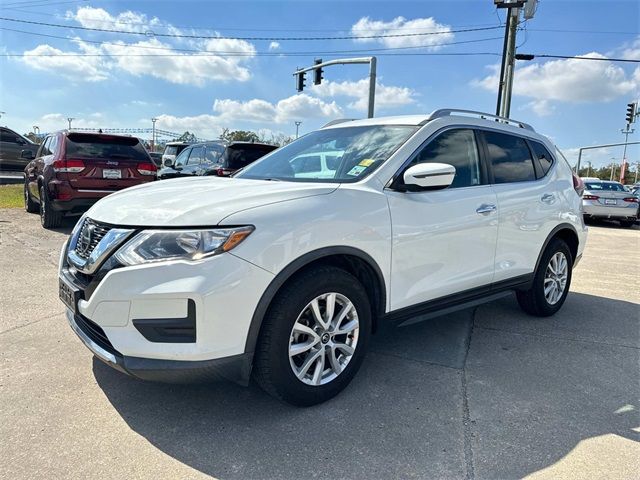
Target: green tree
[187,137]
[238,136]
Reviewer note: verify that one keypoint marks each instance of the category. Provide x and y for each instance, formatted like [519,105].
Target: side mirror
[167,162]
[27,155]
[430,176]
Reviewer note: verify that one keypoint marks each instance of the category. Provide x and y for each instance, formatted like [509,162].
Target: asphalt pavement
[487,393]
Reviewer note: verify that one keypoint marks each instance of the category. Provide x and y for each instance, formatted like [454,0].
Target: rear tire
[48,217]
[551,281]
[331,349]
[29,204]
[627,223]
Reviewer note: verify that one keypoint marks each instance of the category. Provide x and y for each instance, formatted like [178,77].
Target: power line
[276,53]
[211,37]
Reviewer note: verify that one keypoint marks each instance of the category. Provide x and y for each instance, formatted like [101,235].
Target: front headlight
[162,245]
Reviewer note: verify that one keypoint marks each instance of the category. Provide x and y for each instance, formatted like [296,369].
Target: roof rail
[445,112]
[337,121]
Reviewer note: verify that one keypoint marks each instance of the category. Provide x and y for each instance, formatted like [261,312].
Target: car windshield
[609,187]
[349,153]
[170,150]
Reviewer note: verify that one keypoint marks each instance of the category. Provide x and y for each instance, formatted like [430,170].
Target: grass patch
[11,196]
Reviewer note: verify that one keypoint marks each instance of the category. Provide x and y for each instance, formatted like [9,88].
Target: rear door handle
[548,198]
[486,209]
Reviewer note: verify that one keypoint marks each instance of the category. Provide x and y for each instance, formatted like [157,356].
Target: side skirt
[457,301]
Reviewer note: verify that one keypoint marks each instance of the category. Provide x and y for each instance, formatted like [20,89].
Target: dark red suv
[71,171]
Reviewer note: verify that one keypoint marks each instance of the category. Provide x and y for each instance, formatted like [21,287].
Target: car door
[443,240]
[11,146]
[193,162]
[528,203]
[178,166]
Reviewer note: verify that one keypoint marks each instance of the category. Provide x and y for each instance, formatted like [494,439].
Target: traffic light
[317,72]
[631,113]
[300,81]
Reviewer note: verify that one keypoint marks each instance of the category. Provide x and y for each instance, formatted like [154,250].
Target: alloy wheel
[323,339]
[555,278]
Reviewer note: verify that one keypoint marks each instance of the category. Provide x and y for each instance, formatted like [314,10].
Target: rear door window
[89,146]
[195,158]
[181,159]
[8,136]
[44,148]
[213,153]
[510,158]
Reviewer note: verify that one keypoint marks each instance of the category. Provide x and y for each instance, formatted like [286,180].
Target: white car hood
[201,201]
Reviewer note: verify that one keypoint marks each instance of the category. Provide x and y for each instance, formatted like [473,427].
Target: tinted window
[44,149]
[239,156]
[8,136]
[97,146]
[543,156]
[213,153]
[510,158]
[609,187]
[181,159]
[170,150]
[195,158]
[457,148]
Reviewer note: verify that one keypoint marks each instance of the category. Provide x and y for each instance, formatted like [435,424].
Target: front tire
[48,217]
[29,205]
[314,336]
[551,281]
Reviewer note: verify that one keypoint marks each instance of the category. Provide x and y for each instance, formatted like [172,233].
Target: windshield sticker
[357,170]
[367,162]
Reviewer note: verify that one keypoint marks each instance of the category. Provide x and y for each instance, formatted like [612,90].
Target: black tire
[29,204]
[627,223]
[272,368]
[48,217]
[533,301]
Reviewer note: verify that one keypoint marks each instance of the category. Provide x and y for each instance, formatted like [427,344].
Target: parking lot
[485,393]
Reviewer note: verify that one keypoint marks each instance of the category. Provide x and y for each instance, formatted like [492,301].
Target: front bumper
[236,368]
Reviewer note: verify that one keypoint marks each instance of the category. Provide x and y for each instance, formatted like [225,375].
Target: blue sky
[44,80]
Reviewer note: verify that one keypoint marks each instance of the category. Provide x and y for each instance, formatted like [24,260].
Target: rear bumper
[601,211]
[78,205]
[236,368]
[65,198]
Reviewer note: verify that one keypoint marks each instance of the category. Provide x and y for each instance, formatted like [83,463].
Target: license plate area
[610,201]
[68,294]
[112,173]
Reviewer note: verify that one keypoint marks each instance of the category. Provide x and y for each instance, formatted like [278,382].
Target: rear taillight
[147,169]
[578,184]
[590,197]
[632,199]
[69,165]
[220,172]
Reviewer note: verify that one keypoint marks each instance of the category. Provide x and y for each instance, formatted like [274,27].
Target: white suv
[286,276]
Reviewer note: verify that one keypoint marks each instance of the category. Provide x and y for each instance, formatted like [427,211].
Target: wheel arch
[567,233]
[355,261]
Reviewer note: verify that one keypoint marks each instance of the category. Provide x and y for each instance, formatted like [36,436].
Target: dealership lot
[484,393]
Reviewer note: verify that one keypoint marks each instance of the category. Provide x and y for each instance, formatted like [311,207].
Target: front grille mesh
[84,247]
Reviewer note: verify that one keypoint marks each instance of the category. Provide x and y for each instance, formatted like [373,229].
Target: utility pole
[319,64]
[507,66]
[70,119]
[613,168]
[637,167]
[153,135]
[589,169]
[298,123]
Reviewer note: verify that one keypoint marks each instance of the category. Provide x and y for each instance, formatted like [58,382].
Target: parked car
[171,151]
[605,199]
[157,158]
[12,146]
[215,158]
[286,275]
[71,171]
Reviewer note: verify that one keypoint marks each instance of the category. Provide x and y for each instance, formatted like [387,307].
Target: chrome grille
[89,236]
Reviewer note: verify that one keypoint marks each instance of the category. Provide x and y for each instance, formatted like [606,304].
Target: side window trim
[396,179]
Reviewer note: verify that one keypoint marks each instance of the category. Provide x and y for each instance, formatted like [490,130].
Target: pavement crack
[466,417]
[402,357]
[17,327]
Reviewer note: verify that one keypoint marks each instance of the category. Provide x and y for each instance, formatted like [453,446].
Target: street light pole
[70,119]
[298,123]
[153,135]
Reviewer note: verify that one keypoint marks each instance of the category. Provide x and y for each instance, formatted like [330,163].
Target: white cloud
[570,80]
[386,96]
[367,27]
[204,126]
[274,46]
[542,108]
[291,108]
[632,50]
[148,57]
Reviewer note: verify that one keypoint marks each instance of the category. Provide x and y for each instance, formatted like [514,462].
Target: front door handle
[486,209]
[548,198]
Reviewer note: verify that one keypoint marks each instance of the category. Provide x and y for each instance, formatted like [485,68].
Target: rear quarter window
[543,156]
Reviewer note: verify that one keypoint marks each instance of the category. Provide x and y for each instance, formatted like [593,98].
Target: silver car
[605,199]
